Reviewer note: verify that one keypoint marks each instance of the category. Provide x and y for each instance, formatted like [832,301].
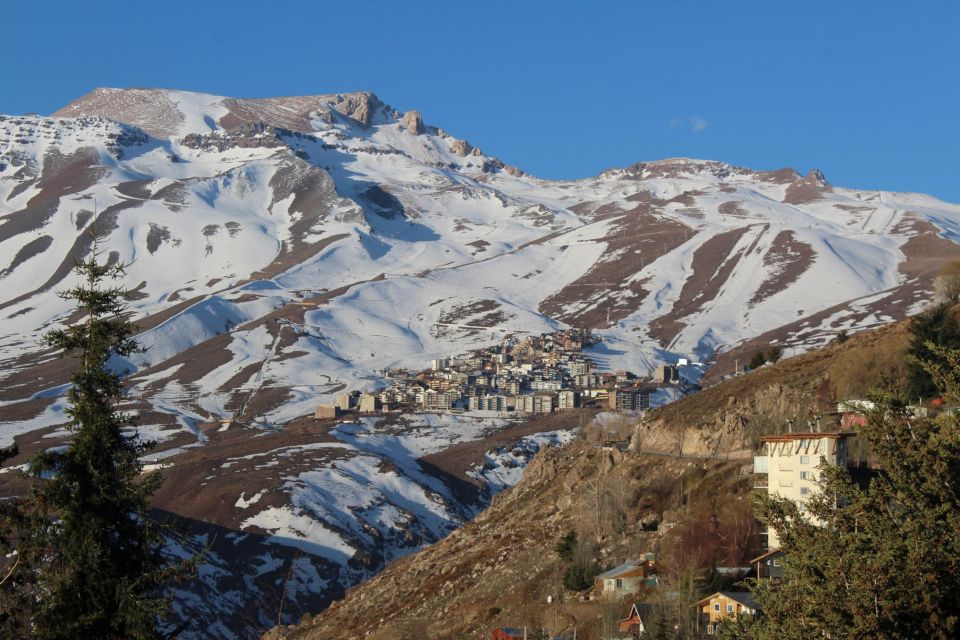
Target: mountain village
[520,376]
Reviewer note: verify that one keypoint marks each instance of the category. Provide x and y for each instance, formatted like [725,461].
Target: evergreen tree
[884,560]
[566,546]
[758,360]
[583,568]
[89,551]
[937,325]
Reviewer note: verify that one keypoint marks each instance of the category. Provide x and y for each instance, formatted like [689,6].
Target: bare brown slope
[798,388]
[499,569]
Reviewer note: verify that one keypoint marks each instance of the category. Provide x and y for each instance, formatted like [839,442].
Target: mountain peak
[166,113]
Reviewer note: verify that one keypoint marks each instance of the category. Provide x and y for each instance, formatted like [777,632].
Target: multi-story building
[543,403]
[566,400]
[343,402]
[579,367]
[630,400]
[589,380]
[545,384]
[488,403]
[369,403]
[524,404]
[792,463]
[666,373]
[439,401]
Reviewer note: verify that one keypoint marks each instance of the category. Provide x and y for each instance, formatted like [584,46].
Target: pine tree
[91,562]
[884,560]
[937,325]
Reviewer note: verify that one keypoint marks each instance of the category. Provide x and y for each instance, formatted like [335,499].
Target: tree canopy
[879,558]
[938,326]
[88,555]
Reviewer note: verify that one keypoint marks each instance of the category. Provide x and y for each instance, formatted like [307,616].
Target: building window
[619,583]
[729,608]
[804,459]
[716,606]
[804,475]
[804,491]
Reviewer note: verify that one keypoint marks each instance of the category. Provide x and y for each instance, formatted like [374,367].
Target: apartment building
[792,464]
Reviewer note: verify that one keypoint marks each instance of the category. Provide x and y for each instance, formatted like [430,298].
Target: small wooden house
[769,565]
[637,623]
[724,605]
[626,579]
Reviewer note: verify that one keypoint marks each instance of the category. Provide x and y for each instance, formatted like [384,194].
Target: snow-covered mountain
[284,249]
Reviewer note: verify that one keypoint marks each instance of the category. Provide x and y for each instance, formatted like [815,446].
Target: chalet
[724,605]
[626,579]
[638,621]
[853,413]
[769,566]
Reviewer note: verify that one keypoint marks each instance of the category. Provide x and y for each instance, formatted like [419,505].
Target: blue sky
[868,92]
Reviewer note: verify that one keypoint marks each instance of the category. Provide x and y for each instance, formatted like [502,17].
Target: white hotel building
[791,462]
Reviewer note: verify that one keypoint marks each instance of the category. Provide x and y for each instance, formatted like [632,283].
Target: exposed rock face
[808,189]
[359,106]
[412,122]
[150,109]
[460,147]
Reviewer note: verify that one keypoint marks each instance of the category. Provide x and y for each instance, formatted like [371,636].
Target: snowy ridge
[284,250]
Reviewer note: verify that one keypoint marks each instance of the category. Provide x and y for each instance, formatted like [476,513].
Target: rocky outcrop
[359,106]
[807,189]
[460,147]
[412,122]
